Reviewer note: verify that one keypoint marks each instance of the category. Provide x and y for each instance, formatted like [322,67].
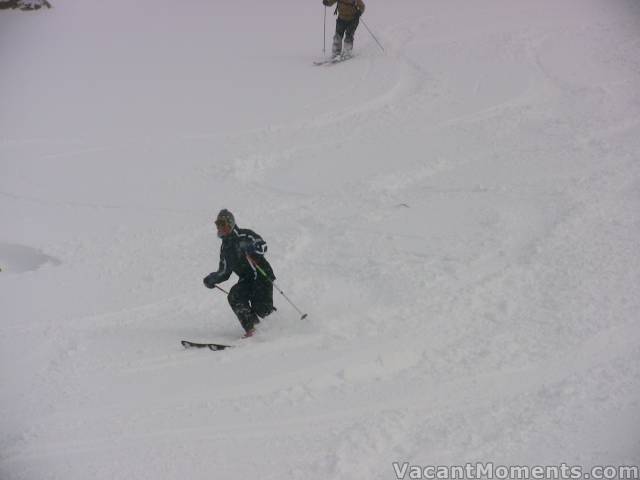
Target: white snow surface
[459,216]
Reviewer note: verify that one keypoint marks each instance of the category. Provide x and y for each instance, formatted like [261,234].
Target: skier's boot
[336,48]
[348,49]
[249,333]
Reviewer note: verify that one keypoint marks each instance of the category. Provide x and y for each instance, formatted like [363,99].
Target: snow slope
[459,216]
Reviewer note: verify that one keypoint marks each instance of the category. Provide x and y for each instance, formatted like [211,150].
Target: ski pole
[371,33]
[257,267]
[220,288]
[324,32]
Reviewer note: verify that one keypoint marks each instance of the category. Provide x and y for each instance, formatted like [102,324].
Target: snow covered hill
[459,216]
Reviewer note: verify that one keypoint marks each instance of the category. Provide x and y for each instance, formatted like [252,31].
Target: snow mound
[21,258]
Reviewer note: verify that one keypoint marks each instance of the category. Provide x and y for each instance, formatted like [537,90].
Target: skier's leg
[239,297]
[336,48]
[341,26]
[262,301]
[350,30]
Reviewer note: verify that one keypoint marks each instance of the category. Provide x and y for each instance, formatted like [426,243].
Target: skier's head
[225,222]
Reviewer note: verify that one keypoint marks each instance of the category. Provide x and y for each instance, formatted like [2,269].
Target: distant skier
[349,12]
[242,252]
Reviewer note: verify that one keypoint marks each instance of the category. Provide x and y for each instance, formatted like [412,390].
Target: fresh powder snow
[459,215]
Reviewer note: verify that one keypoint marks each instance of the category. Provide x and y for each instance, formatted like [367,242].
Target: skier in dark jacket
[242,252]
[349,12]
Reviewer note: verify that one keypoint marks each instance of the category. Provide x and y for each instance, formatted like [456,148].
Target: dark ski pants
[251,300]
[346,29]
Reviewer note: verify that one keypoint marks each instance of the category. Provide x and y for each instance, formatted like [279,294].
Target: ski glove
[208,281]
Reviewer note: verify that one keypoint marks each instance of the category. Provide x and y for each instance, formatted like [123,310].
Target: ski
[333,61]
[210,346]
[323,62]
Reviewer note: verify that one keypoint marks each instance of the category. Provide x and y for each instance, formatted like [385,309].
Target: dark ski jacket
[347,9]
[233,258]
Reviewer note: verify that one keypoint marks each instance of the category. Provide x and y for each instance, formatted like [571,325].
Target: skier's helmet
[225,218]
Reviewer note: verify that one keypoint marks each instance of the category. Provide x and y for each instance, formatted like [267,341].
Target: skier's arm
[328,3]
[223,273]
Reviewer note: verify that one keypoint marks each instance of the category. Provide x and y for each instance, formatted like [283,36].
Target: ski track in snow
[459,219]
